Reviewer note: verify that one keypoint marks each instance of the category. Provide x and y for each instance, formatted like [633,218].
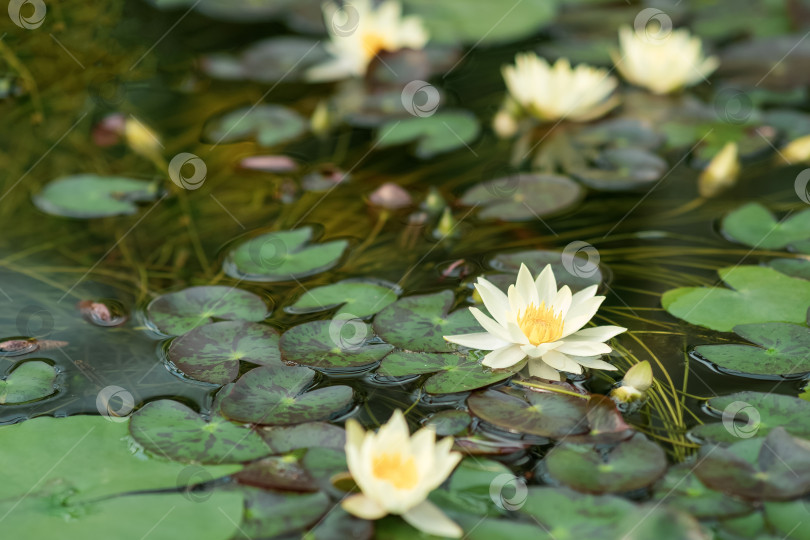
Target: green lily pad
[335,344]
[284,439]
[659,521]
[570,514]
[29,381]
[789,519]
[620,133]
[358,298]
[449,422]
[323,464]
[617,169]
[777,298]
[754,413]
[799,268]
[231,10]
[436,134]
[630,465]
[267,61]
[586,272]
[419,323]
[283,256]
[269,125]
[178,312]
[681,489]
[773,468]
[753,225]
[339,524]
[282,473]
[276,395]
[478,483]
[523,197]
[94,196]
[212,352]
[784,349]
[538,413]
[270,514]
[170,429]
[606,424]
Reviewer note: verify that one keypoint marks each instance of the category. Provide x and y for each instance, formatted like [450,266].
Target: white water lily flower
[662,65]
[551,93]
[395,473]
[535,319]
[635,383]
[367,31]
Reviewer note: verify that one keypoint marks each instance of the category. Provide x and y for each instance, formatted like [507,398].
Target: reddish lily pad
[449,422]
[283,473]
[284,439]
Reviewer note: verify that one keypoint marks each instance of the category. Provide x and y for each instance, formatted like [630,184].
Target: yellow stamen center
[540,324]
[374,43]
[399,472]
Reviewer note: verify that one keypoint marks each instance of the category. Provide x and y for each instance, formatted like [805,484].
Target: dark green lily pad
[618,169]
[178,312]
[681,489]
[231,10]
[659,521]
[269,125]
[324,463]
[276,395]
[339,525]
[606,424]
[784,349]
[540,413]
[170,429]
[29,381]
[570,514]
[283,473]
[773,468]
[789,519]
[284,439]
[283,256]
[620,133]
[478,483]
[335,344]
[753,225]
[436,134]
[269,60]
[799,268]
[212,352]
[270,514]
[449,422]
[587,272]
[358,298]
[754,413]
[419,323]
[777,297]
[630,465]
[523,197]
[94,196]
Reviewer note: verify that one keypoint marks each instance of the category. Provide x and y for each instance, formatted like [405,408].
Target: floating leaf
[282,473]
[276,395]
[94,196]
[283,256]
[630,465]
[606,424]
[269,125]
[622,168]
[789,519]
[449,422]
[681,489]
[777,297]
[357,298]
[784,349]
[212,352]
[231,10]
[269,514]
[29,381]
[570,514]
[583,272]
[655,520]
[620,133]
[269,60]
[335,344]
[284,439]
[523,197]
[799,268]
[436,134]
[419,323]
[170,429]
[178,312]
[753,225]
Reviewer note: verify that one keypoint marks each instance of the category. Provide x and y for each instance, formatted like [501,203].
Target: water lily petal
[561,362]
[526,290]
[490,326]
[546,285]
[583,348]
[562,301]
[494,299]
[504,357]
[428,518]
[536,351]
[481,340]
[579,315]
[593,362]
[596,333]
[538,368]
[363,507]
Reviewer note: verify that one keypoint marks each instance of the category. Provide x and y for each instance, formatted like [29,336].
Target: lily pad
[359,298]
[284,439]
[799,268]
[269,125]
[212,353]
[283,256]
[29,381]
[283,473]
[753,225]
[784,349]
[436,134]
[583,273]
[269,60]
[270,514]
[570,514]
[618,169]
[449,422]
[789,519]
[523,197]
[777,297]
[681,489]
[178,312]
[419,323]
[276,395]
[620,133]
[630,465]
[335,344]
[94,196]
[170,429]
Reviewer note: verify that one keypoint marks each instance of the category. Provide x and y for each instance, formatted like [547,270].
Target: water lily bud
[434,202]
[142,140]
[446,224]
[320,121]
[391,197]
[635,383]
[504,124]
[797,150]
[721,173]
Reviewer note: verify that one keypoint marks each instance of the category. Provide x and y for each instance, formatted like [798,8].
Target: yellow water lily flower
[662,65]
[536,320]
[395,473]
[359,31]
[797,150]
[551,93]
